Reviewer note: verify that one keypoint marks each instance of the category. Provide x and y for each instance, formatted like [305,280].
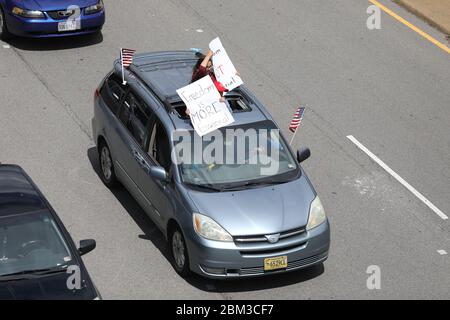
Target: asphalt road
[388,88]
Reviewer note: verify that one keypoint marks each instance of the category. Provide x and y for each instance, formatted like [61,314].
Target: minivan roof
[164,72]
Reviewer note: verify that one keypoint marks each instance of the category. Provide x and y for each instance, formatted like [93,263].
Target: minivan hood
[51,5]
[258,211]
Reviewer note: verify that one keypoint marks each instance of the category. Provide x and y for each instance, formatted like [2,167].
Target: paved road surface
[388,88]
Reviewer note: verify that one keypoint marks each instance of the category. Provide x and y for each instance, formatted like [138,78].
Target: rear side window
[135,116]
[159,146]
[112,93]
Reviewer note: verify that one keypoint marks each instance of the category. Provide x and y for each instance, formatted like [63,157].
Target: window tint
[113,93]
[135,115]
[159,146]
[125,113]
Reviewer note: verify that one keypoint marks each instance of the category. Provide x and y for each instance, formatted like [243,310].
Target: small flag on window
[126,57]
[297,119]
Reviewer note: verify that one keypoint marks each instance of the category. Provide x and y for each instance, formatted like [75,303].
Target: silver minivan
[222,219]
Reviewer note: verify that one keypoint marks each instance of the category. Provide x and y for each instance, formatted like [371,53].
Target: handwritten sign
[223,67]
[206,111]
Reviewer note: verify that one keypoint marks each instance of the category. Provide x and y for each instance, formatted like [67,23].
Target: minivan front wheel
[179,253]
[106,166]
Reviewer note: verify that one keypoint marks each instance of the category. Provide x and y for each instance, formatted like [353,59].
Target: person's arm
[208,57]
[201,70]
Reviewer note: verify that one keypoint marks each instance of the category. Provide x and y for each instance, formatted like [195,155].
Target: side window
[112,93]
[159,146]
[135,115]
[125,112]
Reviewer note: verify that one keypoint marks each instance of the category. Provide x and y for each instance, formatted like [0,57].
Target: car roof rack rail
[137,74]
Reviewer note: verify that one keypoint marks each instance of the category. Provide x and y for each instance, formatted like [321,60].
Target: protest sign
[206,111]
[224,69]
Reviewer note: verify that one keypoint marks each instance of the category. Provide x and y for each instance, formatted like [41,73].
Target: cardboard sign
[223,67]
[206,111]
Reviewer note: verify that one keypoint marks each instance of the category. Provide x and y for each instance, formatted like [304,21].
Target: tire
[4,33]
[107,173]
[180,255]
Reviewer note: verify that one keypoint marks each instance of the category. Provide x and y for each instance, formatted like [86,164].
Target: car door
[139,127]
[127,142]
[160,194]
[115,128]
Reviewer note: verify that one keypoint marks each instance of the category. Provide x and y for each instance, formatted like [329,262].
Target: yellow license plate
[275,263]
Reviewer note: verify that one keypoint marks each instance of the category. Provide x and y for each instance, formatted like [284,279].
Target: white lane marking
[6,46]
[199,30]
[398,178]
[442,252]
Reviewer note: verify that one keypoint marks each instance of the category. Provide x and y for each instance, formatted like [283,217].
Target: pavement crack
[59,99]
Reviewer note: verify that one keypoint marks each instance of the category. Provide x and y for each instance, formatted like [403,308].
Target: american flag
[297,119]
[126,57]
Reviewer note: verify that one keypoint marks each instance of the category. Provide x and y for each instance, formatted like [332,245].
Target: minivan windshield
[31,242]
[235,157]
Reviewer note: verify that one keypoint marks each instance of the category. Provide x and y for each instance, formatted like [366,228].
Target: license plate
[70,25]
[275,263]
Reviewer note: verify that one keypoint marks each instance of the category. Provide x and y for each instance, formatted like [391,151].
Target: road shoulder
[434,12]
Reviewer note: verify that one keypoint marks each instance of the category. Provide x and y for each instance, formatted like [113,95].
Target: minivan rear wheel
[180,254]
[107,172]
[4,33]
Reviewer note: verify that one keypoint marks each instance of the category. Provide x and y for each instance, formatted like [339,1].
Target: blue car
[50,18]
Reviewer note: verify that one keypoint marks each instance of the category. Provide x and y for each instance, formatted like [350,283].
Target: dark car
[222,220]
[50,18]
[38,258]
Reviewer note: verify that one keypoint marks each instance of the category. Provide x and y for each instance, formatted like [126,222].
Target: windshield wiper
[245,185]
[32,273]
[207,186]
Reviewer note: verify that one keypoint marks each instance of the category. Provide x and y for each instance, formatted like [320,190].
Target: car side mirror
[158,173]
[86,246]
[303,154]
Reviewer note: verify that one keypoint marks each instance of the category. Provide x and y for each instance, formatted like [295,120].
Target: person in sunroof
[204,67]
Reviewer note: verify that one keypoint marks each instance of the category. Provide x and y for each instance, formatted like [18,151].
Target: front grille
[262,238]
[55,15]
[291,265]
[279,251]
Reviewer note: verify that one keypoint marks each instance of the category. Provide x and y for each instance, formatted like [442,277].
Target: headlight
[28,13]
[95,8]
[209,229]
[317,214]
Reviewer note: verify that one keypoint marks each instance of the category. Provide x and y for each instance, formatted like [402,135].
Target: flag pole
[123,69]
[293,136]
[300,118]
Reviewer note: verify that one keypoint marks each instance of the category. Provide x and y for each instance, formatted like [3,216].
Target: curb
[428,18]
